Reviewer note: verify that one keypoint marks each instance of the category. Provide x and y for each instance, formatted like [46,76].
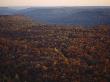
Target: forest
[34,52]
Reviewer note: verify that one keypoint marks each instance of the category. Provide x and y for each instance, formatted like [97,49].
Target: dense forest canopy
[33,52]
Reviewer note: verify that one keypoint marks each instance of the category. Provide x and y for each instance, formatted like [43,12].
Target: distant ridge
[82,15]
[6,11]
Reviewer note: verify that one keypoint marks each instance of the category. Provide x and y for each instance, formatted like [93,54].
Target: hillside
[53,53]
[6,11]
[16,22]
[83,16]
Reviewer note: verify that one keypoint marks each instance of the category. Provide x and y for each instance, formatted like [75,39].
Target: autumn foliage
[31,52]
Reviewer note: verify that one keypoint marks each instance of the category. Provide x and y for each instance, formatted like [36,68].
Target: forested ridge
[33,52]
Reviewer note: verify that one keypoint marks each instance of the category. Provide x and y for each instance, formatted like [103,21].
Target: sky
[54,2]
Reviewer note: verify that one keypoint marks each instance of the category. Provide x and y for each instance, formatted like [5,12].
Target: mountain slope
[6,11]
[52,53]
[15,22]
[85,16]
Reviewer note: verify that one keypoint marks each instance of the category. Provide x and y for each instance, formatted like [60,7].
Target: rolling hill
[6,11]
[83,16]
[16,22]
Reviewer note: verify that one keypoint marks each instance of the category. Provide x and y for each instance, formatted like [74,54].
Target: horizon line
[63,6]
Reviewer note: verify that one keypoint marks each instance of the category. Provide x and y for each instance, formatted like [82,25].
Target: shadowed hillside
[84,16]
[33,52]
[6,11]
